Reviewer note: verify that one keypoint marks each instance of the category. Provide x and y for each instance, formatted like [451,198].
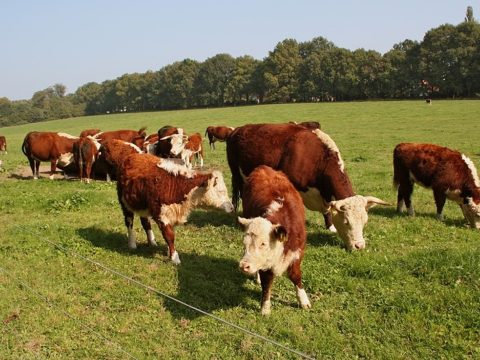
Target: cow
[217,133]
[85,153]
[133,136]
[171,142]
[3,144]
[275,235]
[166,192]
[449,173]
[150,144]
[193,147]
[112,155]
[89,132]
[48,146]
[312,162]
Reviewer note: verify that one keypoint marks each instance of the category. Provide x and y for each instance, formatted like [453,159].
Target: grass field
[413,293]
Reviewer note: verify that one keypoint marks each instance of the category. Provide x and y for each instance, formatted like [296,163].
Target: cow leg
[440,198]
[148,230]
[32,166]
[128,217]
[53,168]
[36,174]
[295,275]
[329,222]
[169,236]
[405,191]
[266,279]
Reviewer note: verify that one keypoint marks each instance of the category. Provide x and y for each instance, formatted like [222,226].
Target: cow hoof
[266,308]
[332,228]
[440,217]
[175,258]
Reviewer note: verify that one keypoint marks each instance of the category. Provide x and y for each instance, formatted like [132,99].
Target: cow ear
[243,222]
[372,201]
[279,232]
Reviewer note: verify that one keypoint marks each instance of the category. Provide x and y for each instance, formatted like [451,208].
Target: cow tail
[24,146]
[397,169]
[78,156]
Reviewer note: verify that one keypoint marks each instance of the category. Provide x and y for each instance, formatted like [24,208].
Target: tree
[469,15]
[240,87]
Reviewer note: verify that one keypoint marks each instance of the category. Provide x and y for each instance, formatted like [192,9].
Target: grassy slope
[414,292]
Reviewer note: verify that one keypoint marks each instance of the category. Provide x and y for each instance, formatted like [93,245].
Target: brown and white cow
[3,144]
[85,153]
[450,174]
[150,144]
[112,155]
[217,133]
[90,132]
[193,148]
[275,234]
[166,192]
[133,136]
[171,142]
[48,146]
[312,162]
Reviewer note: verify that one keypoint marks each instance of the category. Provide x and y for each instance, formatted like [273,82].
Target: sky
[73,42]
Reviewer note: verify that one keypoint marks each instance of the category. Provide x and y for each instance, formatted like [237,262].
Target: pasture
[413,293]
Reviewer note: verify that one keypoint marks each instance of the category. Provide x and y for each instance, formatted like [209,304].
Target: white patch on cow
[135,147]
[266,307]
[332,228]
[95,142]
[150,148]
[303,298]
[454,195]
[98,135]
[176,213]
[68,136]
[274,207]
[65,159]
[231,128]
[186,154]
[327,140]
[175,258]
[313,200]
[51,177]
[151,238]
[472,169]
[175,167]
[132,243]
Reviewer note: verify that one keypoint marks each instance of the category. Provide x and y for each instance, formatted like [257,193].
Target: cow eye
[263,244]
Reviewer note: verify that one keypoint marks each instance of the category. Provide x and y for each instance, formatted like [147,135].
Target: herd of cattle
[277,170]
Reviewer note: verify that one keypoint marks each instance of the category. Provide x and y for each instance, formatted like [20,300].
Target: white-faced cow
[312,162]
[171,142]
[217,133]
[48,146]
[193,148]
[275,234]
[3,144]
[85,152]
[166,192]
[450,174]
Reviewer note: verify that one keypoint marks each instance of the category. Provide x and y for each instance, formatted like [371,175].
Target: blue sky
[74,42]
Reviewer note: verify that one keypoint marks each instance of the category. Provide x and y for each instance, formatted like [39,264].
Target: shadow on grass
[210,284]
[321,239]
[202,218]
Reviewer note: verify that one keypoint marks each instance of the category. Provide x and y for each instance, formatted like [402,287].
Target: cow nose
[245,267]
[359,245]
[227,207]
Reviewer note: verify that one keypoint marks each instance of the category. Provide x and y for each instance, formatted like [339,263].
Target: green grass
[414,293]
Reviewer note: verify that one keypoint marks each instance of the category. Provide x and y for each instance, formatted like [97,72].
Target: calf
[217,133]
[85,152]
[275,233]
[48,146]
[3,144]
[171,141]
[450,174]
[166,192]
[193,147]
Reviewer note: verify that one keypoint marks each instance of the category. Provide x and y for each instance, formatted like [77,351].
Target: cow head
[350,216]
[216,194]
[263,244]
[177,142]
[471,211]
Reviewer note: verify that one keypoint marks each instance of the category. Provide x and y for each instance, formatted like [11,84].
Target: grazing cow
[112,155]
[85,153]
[133,136]
[166,192]
[150,144]
[171,141]
[89,132]
[193,147]
[217,133]
[312,162]
[312,125]
[3,144]
[48,146]
[275,232]
[450,174]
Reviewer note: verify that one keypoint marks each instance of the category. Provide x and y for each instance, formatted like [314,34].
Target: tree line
[445,64]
